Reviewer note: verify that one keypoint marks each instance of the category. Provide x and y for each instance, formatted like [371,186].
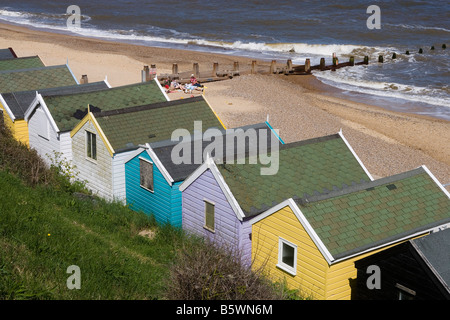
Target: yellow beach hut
[312,243]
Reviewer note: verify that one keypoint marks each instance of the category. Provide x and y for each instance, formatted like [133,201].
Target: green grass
[44,231]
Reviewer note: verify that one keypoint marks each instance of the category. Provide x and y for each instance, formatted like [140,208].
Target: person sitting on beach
[176,86]
[194,81]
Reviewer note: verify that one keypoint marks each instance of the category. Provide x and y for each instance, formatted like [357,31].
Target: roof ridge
[359,186]
[295,144]
[55,88]
[33,69]
[169,142]
[151,106]
[106,89]
[18,58]
[309,141]
[68,87]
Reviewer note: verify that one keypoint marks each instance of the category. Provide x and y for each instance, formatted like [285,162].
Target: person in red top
[194,81]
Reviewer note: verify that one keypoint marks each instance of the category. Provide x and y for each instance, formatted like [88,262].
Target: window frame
[213,228]
[89,145]
[152,190]
[282,265]
[404,293]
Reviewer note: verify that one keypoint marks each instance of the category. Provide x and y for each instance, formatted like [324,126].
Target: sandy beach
[301,107]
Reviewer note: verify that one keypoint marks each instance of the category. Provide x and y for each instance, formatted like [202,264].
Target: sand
[300,107]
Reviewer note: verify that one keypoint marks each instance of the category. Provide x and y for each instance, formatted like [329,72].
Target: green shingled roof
[63,107]
[21,63]
[377,212]
[128,128]
[36,78]
[305,167]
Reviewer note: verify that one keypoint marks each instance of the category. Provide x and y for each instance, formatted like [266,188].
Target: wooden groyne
[217,74]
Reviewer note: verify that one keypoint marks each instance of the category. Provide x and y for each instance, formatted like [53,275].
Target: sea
[417,82]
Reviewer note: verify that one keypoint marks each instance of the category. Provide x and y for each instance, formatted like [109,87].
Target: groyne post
[196,70]
[175,69]
[146,74]
[335,59]
[288,66]
[272,66]
[307,65]
[322,63]
[253,70]
[236,68]
[152,71]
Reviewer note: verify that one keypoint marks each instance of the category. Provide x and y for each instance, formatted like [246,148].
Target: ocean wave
[37,19]
[416,26]
[343,81]
[299,48]
[13,14]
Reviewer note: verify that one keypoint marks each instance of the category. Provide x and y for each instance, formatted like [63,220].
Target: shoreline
[301,107]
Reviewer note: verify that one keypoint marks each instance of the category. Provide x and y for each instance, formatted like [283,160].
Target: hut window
[146,172]
[209,215]
[405,293]
[91,145]
[287,256]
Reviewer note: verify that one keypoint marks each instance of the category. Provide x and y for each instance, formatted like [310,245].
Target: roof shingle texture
[36,78]
[377,212]
[21,63]
[305,168]
[63,107]
[180,171]
[18,102]
[128,128]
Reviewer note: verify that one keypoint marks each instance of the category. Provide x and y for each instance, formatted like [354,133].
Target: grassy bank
[43,232]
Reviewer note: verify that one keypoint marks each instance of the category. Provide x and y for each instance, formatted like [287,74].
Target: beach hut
[220,199]
[312,243]
[159,196]
[51,117]
[16,104]
[418,269]
[102,141]
[12,81]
